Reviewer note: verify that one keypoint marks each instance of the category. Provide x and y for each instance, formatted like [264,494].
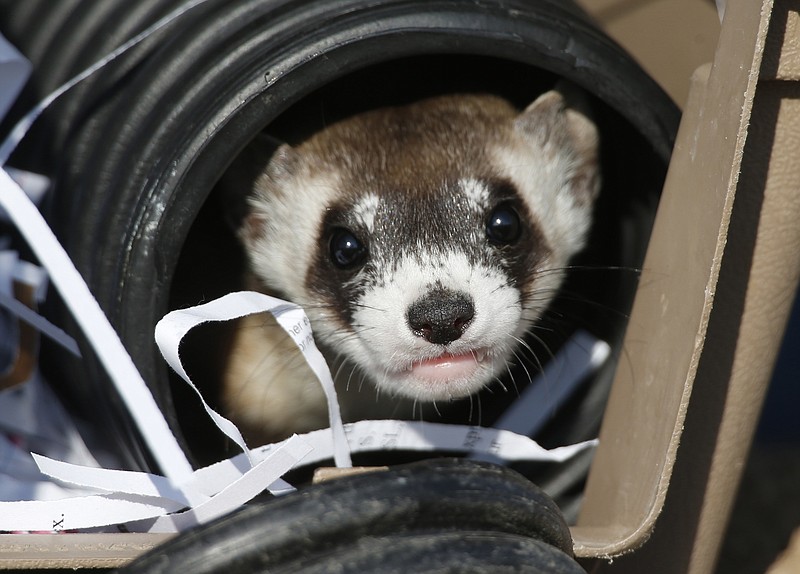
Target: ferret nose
[441,316]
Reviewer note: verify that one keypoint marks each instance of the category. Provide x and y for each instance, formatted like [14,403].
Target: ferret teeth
[480,355]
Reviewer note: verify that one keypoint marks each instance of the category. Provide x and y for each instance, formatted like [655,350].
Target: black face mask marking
[356,249]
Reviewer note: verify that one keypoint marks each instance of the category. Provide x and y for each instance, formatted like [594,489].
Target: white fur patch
[281,256]
[365,210]
[386,347]
[476,191]
[543,184]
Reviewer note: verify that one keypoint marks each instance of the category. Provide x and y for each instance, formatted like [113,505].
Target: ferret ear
[559,122]
[264,160]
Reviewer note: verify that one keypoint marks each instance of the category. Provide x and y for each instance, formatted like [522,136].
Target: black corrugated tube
[135,150]
[429,517]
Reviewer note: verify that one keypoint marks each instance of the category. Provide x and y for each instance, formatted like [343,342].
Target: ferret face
[424,241]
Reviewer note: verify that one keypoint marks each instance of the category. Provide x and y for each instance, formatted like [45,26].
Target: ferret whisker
[512,382]
[534,325]
[524,368]
[507,366]
[524,344]
[546,348]
[534,358]
[341,362]
[370,307]
[350,378]
[582,300]
[361,378]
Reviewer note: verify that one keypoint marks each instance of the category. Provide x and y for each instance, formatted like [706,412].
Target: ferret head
[424,241]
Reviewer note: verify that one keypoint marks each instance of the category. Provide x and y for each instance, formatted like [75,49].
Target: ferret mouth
[444,377]
[448,366]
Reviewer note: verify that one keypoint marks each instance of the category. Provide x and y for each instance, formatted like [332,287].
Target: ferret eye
[346,250]
[503,226]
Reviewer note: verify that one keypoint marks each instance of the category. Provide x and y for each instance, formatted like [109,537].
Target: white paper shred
[11,268]
[104,339]
[171,329]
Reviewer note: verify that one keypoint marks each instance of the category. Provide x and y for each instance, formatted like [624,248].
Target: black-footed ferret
[423,242]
